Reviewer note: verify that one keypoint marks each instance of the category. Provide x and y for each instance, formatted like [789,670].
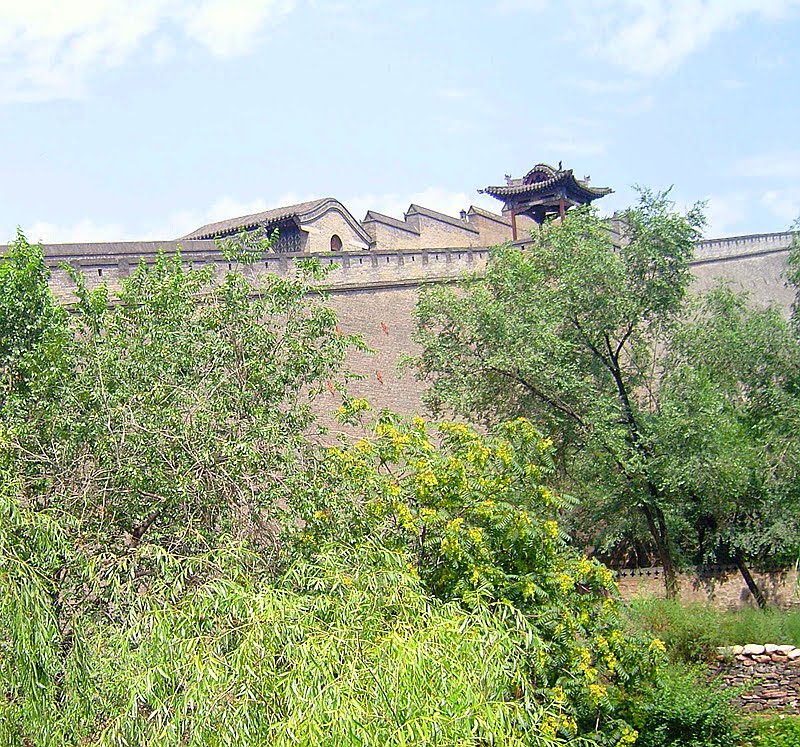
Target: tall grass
[693,631]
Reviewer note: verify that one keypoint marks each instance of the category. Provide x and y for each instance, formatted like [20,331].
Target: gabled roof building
[314,226]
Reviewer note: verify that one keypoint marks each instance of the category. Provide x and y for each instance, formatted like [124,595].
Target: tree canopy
[591,332]
[182,562]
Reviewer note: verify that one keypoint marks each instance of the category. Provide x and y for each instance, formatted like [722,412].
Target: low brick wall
[769,674]
[719,586]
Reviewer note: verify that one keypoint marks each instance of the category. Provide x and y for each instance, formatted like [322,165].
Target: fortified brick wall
[753,264]
[377,289]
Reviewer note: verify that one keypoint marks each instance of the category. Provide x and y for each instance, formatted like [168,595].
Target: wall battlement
[351,270]
[734,247]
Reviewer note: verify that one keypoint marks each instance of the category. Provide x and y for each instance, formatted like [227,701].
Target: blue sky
[123,120]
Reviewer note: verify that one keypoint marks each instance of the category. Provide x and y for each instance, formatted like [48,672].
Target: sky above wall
[122,120]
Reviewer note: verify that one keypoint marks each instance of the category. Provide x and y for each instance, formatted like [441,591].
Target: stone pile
[767,676]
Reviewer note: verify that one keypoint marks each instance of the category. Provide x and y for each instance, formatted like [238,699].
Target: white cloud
[83,231]
[650,37]
[49,50]
[784,165]
[182,222]
[725,213]
[231,28]
[783,203]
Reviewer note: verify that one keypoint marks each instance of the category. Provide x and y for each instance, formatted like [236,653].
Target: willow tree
[569,332]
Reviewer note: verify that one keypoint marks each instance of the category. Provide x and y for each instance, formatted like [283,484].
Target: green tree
[729,408]
[793,273]
[158,584]
[139,435]
[570,333]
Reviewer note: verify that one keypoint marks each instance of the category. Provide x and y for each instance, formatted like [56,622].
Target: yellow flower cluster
[476,535]
[657,646]
[598,692]
[404,516]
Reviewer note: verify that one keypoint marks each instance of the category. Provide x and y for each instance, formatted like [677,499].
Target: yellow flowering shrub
[481,527]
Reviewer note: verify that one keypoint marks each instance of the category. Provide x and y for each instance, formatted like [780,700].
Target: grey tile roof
[374,217]
[473,210]
[301,211]
[419,210]
[561,177]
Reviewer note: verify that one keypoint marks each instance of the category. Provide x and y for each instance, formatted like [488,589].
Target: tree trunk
[750,581]
[658,531]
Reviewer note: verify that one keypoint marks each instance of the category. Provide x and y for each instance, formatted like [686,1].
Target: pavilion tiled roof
[565,177]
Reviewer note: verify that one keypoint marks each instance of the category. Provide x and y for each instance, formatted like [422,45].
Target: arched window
[336,243]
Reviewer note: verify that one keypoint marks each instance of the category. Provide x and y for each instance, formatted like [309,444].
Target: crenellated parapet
[348,270]
[735,247]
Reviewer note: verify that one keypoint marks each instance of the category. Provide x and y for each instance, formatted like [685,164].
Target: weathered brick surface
[723,588]
[319,231]
[383,317]
[492,231]
[441,234]
[391,238]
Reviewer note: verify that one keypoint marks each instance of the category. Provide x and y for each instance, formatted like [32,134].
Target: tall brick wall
[383,317]
[379,287]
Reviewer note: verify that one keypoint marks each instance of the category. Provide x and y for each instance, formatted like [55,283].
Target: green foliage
[31,323]
[793,273]
[136,437]
[569,333]
[684,711]
[476,518]
[778,731]
[675,420]
[346,651]
[730,406]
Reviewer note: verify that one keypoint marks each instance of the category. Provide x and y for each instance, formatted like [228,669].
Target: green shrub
[475,516]
[683,711]
[781,731]
[692,632]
